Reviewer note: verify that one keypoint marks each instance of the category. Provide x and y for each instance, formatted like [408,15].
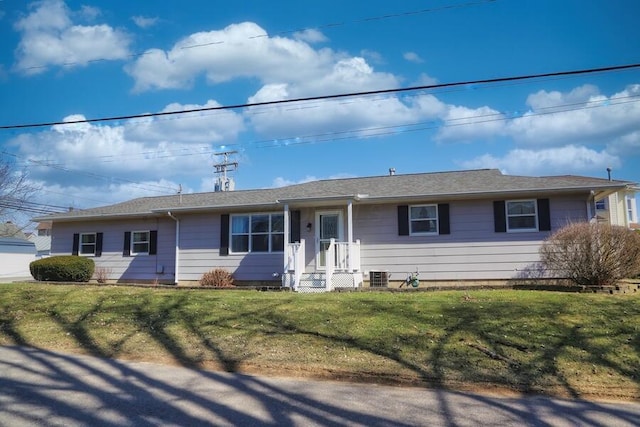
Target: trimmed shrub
[64,268]
[218,278]
[592,254]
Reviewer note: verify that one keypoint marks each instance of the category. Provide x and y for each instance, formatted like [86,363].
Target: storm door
[329,226]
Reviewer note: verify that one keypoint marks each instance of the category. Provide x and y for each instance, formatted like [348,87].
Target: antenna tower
[223,182]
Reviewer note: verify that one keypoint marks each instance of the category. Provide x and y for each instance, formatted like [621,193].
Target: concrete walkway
[39,387]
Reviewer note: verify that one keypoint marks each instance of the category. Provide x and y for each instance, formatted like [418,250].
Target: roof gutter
[177,265]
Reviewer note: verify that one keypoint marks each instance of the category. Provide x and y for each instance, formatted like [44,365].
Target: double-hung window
[257,233]
[140,242]
[423,219]
[522,215]
[88,243]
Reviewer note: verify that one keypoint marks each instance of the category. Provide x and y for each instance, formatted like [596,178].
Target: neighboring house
[619,208]
[450,226]
[9,229]
[15,256]
[43,245]
[42,239]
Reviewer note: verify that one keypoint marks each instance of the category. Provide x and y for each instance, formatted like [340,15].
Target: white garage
[15,257]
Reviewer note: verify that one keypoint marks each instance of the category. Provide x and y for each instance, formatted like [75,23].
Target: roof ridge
[399,175]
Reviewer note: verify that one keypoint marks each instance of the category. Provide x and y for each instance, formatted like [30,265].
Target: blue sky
[68,60]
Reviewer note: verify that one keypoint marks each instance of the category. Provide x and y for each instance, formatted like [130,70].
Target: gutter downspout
[177,266]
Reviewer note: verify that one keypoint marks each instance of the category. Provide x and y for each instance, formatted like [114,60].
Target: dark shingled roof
[459,184]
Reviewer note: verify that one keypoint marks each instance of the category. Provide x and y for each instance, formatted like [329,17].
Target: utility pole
[223,182]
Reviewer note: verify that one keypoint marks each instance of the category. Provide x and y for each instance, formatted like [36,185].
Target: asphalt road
[39,387]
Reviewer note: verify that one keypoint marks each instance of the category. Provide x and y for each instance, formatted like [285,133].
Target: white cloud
[328,119]
[245,51]
[426,80]
[86,193]
[358,115]
[194,127]
[372,56]
[627,144]
[283,182]
[579,116]
[238,51]
[145,22]
[576,159]
[135,154]
[555,99]
[310,36]
[49,38]
[89,12]
[463,124]
[412,57]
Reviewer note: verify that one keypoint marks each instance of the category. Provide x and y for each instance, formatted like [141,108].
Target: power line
[32,207]
[429,125]
[334,96]
[359,132]
[146,187]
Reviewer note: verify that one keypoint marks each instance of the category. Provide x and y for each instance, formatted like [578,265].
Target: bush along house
[451,227]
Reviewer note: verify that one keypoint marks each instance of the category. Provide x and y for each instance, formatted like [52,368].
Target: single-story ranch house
[476,225]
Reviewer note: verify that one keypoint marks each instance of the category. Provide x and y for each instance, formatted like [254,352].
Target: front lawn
[585,345]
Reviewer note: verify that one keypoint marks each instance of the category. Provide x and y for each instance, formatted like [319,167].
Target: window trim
[133,242]
[95,244]
[437,219]
[249,234]
[535,215]
[630,205]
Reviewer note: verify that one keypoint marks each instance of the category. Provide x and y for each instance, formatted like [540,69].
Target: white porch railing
[339,257]
[330,257]
[347,256]
[295,261]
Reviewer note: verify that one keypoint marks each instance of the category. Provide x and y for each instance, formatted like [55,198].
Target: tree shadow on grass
[155,320]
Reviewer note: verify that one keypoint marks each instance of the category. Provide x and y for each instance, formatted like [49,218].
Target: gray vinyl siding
[137,267]
[472,251]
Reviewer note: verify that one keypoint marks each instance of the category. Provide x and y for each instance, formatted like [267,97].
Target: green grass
[578,345]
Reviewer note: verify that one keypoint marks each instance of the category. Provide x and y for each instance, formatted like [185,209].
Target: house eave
[322,201]
[94,217]
[474,195]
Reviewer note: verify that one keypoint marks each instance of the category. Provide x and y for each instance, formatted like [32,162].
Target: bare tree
[15,190]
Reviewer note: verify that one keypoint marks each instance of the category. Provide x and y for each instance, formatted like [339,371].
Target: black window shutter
[126,249]
[224,234]
[294,226]
[499,216]
[544,215]
[403,220]
[76,244]
[153,242]
[443,219]
[98,244]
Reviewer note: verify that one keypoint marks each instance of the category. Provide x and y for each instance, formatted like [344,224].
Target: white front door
[329,226]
